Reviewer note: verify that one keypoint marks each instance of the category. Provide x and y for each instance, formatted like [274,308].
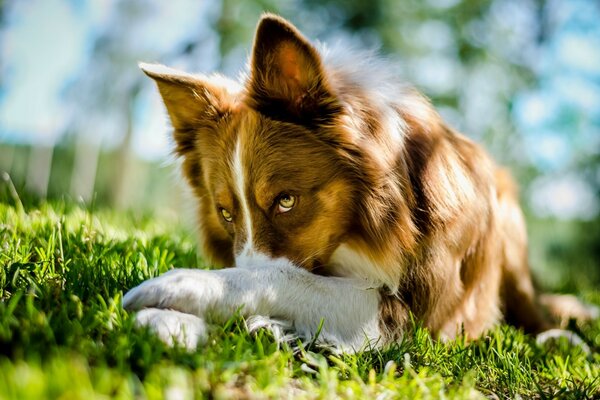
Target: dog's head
[274,163]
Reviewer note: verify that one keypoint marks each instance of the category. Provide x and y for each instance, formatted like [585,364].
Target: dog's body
[339,194]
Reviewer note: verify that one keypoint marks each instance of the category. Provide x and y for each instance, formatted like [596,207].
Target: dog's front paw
[282,331]
[174,327]
[178,289]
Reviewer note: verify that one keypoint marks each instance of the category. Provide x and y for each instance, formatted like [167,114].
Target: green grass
[63,272]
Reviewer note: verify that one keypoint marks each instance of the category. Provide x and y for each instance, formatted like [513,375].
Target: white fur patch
[345,261]
[240,186]
[248,255]
[278,291]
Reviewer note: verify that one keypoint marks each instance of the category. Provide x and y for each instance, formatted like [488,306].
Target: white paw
[285,332]
[174,327]
[555,334]
[179,289]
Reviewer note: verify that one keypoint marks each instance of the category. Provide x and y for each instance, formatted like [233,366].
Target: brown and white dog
[339,195]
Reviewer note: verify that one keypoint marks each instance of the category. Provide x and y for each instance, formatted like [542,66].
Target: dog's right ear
[192,101]
[287,78]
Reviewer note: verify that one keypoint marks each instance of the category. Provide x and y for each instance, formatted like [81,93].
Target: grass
[63,272]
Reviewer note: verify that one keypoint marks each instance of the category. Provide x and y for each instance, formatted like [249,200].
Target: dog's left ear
[287,77]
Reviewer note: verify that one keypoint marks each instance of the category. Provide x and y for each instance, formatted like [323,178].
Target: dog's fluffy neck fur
[382,116]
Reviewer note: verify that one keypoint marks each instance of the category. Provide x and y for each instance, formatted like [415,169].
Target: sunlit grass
[64,269]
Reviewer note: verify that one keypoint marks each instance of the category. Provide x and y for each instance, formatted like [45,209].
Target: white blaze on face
[248,256]
[239,177]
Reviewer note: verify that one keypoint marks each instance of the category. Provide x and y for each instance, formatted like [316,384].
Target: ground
[64,269]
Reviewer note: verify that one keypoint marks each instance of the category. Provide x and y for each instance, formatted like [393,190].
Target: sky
[40,53]
[560,117]
[46,44]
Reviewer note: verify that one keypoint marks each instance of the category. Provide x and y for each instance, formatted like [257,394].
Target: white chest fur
[349,262]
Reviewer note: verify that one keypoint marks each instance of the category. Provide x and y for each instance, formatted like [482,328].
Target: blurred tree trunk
[83,177]
[38,170]
[6,159]
[121,190]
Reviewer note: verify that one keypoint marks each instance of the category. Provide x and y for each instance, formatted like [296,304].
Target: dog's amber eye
[286,203]
[226,215]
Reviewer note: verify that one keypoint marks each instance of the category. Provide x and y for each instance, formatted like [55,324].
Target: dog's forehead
[268,154]
[265,139]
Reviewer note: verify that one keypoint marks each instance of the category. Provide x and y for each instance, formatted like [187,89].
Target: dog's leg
[349,310]
[521,307]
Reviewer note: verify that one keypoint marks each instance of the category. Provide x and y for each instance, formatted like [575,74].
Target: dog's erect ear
[191,100]
[287,76]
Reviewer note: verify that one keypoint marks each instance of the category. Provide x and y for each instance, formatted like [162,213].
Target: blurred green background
[79,122]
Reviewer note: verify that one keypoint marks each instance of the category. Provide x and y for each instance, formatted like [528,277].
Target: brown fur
[385,177]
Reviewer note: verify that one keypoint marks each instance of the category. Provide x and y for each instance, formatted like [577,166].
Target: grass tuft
[63,272]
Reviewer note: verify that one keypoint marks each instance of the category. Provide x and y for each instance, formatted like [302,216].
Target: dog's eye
[226,215]
[286,202]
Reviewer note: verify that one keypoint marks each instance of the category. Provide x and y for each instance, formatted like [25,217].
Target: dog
[345,203]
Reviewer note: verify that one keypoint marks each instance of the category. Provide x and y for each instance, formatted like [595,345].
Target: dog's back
[338,168]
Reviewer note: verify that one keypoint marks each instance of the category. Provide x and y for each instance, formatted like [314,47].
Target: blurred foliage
[465,35]
[472,58]
[154,184]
